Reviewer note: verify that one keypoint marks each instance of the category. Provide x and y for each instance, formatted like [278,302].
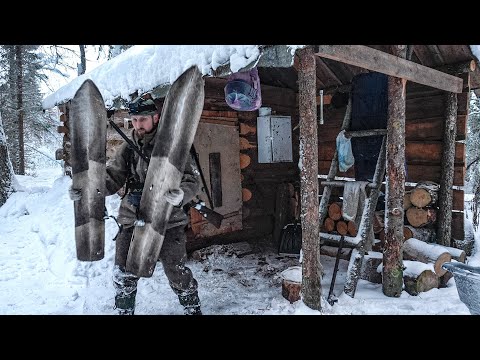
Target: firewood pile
[423,257]
[335,223]
[420,209]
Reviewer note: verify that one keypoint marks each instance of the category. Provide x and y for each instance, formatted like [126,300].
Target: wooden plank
[417,173]
[432,128]
[219,121]
[375,60]
[458,200]
[430,152]
[433,106]
[424,55]
[458,225]
[215,178]
[420,129]
[223,114]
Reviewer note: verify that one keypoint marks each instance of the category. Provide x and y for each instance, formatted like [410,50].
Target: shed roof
[152,68]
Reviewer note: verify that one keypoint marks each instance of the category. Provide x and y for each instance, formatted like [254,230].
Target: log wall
[262,184]
[425,109]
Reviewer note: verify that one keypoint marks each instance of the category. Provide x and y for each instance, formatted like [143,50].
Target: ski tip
[192,72]
[88,85]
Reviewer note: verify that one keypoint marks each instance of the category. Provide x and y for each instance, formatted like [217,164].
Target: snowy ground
[39,272]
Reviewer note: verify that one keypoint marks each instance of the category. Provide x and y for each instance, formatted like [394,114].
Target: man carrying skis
[128,167]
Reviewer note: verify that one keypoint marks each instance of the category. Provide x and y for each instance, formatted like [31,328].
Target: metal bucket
[467,279]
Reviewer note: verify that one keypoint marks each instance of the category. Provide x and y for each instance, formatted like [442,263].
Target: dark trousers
[173,256]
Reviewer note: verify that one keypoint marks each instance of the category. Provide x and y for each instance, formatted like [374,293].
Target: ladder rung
[364,133]
[340,183]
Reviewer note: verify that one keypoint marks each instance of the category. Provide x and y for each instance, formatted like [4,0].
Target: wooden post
[311,267]
[444,229]
[392,272]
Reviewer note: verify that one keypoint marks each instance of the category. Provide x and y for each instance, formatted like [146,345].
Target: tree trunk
[6,170]
[20,110]
[414,249]
[444,233]
[82,67]
[392,279]
[312,269]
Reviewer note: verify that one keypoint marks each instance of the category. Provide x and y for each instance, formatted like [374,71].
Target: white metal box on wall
[274,136]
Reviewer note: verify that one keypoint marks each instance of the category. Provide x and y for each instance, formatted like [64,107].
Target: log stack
[420,204]
[334,223]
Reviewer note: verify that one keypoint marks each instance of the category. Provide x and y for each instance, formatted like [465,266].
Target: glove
[75,194]
[174,197]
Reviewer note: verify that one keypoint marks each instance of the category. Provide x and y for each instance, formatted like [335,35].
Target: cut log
[329,224]
[370,270]
[406,200]
[342,227]
[444,279]
[457,254]
[352,228]
[414,249]
[291,290]
[246,194]
[244,161]
[419,277]
[332,252]
[425,234]
[418,217]
[424,194]
[335,211]
[292,283]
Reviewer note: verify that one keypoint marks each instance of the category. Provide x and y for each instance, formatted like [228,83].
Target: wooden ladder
[364,240]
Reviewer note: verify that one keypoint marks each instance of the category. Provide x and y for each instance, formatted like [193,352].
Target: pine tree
[6,171]
[26,126]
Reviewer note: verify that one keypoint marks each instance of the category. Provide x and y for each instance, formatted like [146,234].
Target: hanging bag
[242,91]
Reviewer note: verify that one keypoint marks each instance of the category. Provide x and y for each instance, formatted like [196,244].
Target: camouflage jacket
[127,163]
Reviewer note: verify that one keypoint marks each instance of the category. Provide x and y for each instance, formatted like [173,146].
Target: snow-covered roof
[143,68]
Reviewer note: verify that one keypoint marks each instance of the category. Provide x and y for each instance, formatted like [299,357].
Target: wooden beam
[375,60]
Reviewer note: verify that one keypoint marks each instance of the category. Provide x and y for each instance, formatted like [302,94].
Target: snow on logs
[414,249]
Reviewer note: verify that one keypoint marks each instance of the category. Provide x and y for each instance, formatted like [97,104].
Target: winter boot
[191,303]
[125,304]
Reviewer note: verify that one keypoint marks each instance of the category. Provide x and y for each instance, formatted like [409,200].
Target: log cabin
[259,177]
